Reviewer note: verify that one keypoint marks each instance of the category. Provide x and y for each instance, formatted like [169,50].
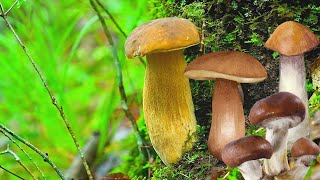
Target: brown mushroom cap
[278,106]
[245,149]
[161,35]
[292,38]
[304,146]
[231,65]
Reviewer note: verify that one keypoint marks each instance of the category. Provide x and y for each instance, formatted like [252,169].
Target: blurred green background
[67,42]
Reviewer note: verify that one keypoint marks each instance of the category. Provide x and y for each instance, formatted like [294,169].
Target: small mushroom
[245,153]
[292,40]
[277,113]
[304,150]
[167,102]
[228,69]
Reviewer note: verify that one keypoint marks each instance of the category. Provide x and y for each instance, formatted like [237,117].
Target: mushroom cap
[304,146]
[231,65]
[161,35]
[282,107]
[292,38]
[246,149]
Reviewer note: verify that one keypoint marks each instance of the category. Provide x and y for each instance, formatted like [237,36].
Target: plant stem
[43,155]
[8,151]
[117,25]
[11,172]
[14,142]
[124,105]
[53,99]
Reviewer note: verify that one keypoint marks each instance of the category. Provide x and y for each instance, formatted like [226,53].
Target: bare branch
[12,6]
[8,151]
[43,155]
[29,157]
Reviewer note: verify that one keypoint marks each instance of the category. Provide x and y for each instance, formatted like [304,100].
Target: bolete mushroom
[227,68]
[292,40]
[304,151]
[277,113]
[167,101]
[245,153]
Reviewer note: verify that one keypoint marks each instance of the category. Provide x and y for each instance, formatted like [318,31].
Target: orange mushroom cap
[292,38]
[161,35]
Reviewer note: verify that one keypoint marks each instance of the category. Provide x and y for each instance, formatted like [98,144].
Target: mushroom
[167,102]
[277,113]
[304,150]
[292,40]
[227,68]
[245,153]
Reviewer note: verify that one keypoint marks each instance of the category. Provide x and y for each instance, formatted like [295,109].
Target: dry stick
[124,105]
[117,25]
[43,155]
[8,151]
[14,142]
[53,99]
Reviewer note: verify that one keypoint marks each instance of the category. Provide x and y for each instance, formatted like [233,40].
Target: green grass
[67,43]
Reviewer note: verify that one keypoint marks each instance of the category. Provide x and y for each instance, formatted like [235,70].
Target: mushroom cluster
[168,107]
[292,40]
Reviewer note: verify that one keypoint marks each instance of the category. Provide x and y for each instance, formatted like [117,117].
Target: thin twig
[124,105]
[43,155]
[117,25]
[11,172]
[7,12]
[8,151]
[53,99]
[29,157]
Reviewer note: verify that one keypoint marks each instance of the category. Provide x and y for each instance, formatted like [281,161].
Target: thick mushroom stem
[251,170]
[168,107]
[228,121]
[293,80]
[277,136]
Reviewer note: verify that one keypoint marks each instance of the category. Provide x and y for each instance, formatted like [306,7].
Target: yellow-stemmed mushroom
[167,102]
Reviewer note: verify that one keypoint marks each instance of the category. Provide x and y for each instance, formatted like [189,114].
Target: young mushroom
[245,153]
[278,113]
[292,40]
[304,150]
[167,101]
[227,68]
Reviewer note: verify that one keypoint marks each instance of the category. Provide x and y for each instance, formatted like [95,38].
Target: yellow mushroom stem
[228,121]
[168,107]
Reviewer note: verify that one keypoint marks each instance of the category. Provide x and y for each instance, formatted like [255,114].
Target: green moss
[232,25]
